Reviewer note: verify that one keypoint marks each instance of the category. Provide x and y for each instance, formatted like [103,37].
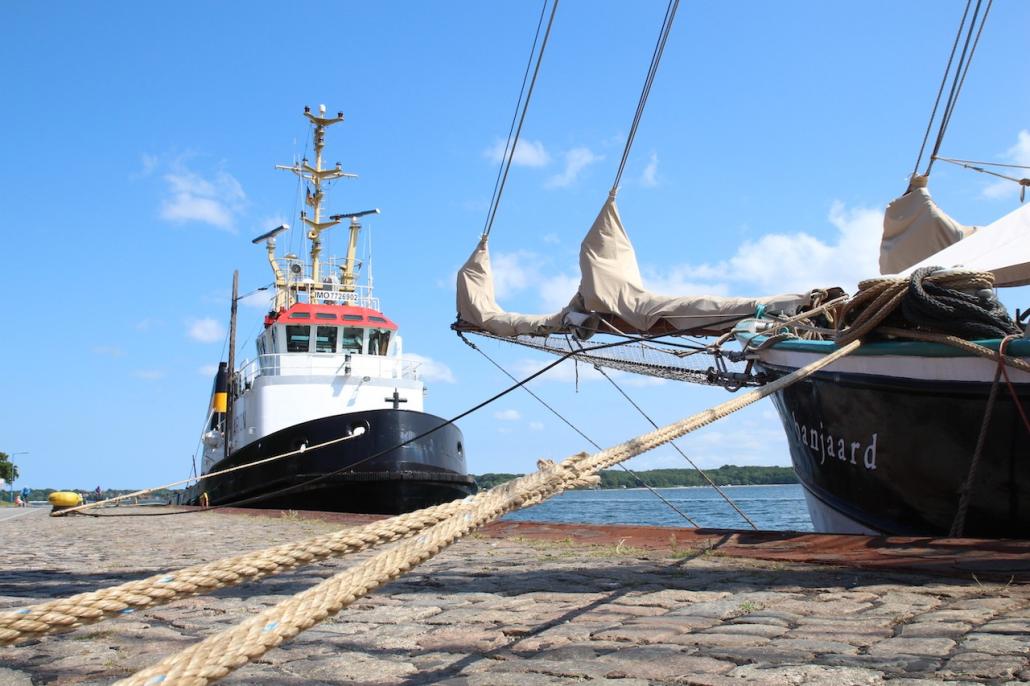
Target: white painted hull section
[978,369]
[280,391]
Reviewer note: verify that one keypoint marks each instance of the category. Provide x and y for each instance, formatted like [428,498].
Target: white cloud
[514,271]
[149,164]
[778,263]
[536,426]
[507,415]
[556,291]
[193,198]
[108,350]
[208,370]
[527,153]
[576,160]
[551,239]
[205,330]
[149,374]
[649,177]
[685,279]
[1017,154]
[147,324]
[431,370]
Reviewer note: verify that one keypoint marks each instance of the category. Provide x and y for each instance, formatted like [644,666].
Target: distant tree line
[727,475]
[91,495]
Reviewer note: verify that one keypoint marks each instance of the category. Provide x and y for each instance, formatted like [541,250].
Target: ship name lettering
[822,442]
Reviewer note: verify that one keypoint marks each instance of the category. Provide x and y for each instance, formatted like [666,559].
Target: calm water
[770,507]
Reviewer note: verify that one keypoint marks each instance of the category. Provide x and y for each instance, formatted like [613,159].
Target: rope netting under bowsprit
[218,655]
[694,364]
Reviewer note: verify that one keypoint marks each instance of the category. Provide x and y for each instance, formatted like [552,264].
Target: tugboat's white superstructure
[329,364]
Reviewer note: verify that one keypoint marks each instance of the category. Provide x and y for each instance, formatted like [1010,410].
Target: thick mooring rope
[218,655]
[86,608]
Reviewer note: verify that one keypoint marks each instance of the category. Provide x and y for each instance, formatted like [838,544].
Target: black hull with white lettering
[890,455]
[339,477]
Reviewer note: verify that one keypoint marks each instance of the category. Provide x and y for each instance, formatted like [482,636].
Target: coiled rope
[953,302]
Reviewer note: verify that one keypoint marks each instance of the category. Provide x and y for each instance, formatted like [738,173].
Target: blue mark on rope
[128,611]
[155,679]
[166,580]
[23,611]
[269,627]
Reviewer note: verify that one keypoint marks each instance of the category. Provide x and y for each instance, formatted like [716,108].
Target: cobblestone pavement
[497,612]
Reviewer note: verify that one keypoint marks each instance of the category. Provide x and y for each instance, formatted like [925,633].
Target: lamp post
[20,452]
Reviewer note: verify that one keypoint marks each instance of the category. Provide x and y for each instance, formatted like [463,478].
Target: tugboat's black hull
[891,455]
[340,477]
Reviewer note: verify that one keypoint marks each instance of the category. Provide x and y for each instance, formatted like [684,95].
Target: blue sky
[140,141]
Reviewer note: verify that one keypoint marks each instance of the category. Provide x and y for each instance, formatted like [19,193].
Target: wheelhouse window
[298,339]
[325,315]
[353,340]
[378,341]
[325,339]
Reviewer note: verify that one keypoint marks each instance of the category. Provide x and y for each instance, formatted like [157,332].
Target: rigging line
[677,448]
[586,438]
[940,91]
[515,114]
[656,57]
[955,160]
[1021,182]
[959,79]
[522,120]
[965,70]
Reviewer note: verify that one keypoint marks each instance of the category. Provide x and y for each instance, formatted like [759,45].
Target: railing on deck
[328,364]
[330,289]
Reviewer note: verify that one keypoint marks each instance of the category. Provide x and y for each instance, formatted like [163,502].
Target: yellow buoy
[63,499]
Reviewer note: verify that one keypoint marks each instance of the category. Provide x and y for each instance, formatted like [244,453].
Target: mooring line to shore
[220,654]
[79,610]
[77,509]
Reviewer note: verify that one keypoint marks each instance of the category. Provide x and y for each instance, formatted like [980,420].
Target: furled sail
[477,305]
[610,286]
[915,228]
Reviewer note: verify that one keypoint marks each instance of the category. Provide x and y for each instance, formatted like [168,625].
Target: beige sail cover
[610,285]
[478,306]
[915,228]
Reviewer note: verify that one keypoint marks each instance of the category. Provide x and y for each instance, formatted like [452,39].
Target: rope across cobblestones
[218,655]
[86,608]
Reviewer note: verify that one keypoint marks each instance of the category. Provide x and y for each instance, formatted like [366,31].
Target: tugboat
[330,385]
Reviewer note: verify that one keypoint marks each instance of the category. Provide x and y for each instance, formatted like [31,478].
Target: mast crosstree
[320,288]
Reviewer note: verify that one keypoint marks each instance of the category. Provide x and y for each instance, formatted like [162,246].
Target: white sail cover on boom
[610,285]
[1002,248]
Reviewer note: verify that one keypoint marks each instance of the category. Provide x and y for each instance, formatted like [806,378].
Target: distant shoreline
[727,475]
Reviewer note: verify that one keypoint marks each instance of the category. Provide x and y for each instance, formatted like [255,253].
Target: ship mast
[288,285]
[316,176]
